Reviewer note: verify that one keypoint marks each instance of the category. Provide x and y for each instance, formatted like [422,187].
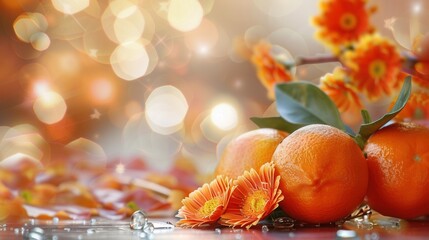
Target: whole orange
[249,150]
[398,163]
[324,175]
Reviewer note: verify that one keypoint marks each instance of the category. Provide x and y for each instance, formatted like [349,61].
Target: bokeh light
[41,87]
[224,116]
[203,38]
[50,107]
[25,139]
[40,41]
[158,150]
[87,155]
[130,61]
[28,24]
[165,109]
[123,22]
[70,7]
[102,91]
[278,8]
[185,15]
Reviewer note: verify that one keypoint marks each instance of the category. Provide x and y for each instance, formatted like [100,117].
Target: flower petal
[256,196]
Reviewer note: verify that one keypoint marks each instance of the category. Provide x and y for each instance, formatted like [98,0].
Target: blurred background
[151,80]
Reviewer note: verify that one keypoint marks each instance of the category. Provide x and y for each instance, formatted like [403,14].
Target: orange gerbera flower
[256,196]
[417,107]
[269,70]
[374,65]
[206,204]
[421,51]
[343,22]
[343,94]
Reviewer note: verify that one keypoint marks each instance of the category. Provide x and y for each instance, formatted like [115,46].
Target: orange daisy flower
[374,66]
[417,107]
[268,69]
[343,94]
[342,22]
[205,205]
[256,196]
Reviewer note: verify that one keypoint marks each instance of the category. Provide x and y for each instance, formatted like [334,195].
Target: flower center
[209,207]
[255,203]
[377,69]
[348,21]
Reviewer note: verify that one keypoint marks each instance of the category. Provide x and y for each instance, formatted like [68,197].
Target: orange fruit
[398,163]
[249,150]
[324,174]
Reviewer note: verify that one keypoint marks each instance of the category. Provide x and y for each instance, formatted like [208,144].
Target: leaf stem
[365,116]
[316,59]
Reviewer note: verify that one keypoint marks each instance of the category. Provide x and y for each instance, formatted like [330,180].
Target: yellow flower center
[377,69]
[255,203]
[209,207]
[348,21]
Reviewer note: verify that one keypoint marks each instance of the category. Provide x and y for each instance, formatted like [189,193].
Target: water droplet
[339,223]
[149,227]
[346,234]
[142,235]
[34,236]
[91,231]
[374,236]
[55,237]
[237,231]
[93,221]
[238,236]
[284,222]
[67,229]
[32,221]
[79,237]
[291,235]
[38,230]
[138,220]
[265,229]
[218,231]
[16,231]
[55,220]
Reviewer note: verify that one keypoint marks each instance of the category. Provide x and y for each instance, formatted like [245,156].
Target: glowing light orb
[224,116]
[28,24]
[203,38]
[130,61]
[40,88]
[70,7]
[102,90]
[50,107]
[87,154]
[185,15]
[123,21]
[166,107]
[417,8]
[40,41]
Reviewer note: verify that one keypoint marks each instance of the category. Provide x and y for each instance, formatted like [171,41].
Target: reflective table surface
[163,228]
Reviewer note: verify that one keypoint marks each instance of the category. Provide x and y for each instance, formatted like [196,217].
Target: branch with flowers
[372,68]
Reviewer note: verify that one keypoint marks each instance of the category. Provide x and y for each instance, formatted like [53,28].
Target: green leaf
[304,103]
[367,129]
[276,123]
